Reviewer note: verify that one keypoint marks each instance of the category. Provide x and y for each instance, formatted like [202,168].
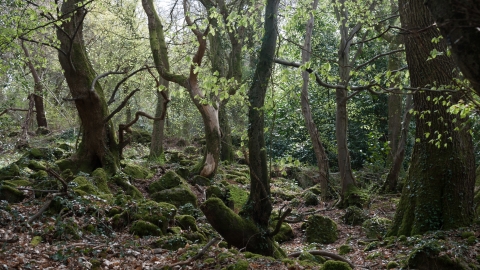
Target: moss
[195,237]
[122,181]
[371,246]
[187,222]
[36,240]
[465,235]
[183,172]
[159,214]
[89,228]
[374,255]
[335,265]
[120,221]
[321,230]
[215,191]
[18,183]
[96,264]
[136,171]
[175,230]
[177,196]
[100,179]
[11,194]
[376,227]
[392,264]
[471,240]
[36,165]
[285,233]
[306,256]
[69,164]
[167,181]
[201,181]
[141,136]
[170,242]
[430,256]
[344,249]
[355,196]
[144,228]
[84,187]
[354,216]
[239,265]
[10,171]
[310,198]
[39,175]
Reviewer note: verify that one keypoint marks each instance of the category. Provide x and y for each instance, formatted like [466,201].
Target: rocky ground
[96,230]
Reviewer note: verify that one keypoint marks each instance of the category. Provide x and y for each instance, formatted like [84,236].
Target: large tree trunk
[458,21]
[38,91]
[98,147]
[156,146]
[341,119]
[438,193]
[319,150]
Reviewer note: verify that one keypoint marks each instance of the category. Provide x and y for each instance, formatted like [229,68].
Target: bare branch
[120,107]
[112,97]
[378,56]
[92,88]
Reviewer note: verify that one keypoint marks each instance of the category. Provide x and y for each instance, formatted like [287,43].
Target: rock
[239,265]
[36,165]
[18,183]
[177,196]
[39,175]
[11,194]
[392,264]
[11,170]
[187,222]
[121,180]
[215,191]
[321,230]
[335,265]
[195,237]
[144,228]
[65,147]
[344,249]
[310,198]
[100,180]
[183,172]
[167,181]
[305,177]
[354,216]
[201,181]
[305,256]
[141,136]
[430,256]
[376,227]
[285,233]
[170,242]
[159,214]
[84,186]
[136,171]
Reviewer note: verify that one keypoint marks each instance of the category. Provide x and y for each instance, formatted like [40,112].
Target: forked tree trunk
[98,147]
[319,150]
[156,146]
[438,192]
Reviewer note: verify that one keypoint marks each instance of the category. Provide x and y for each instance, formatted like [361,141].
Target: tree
[438,192]
[98,147]
[458,22]
[251,230]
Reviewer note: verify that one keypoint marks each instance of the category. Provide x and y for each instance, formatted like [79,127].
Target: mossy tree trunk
[156,146]
[98,147]
[250,231]
[438,193]
[191,84]
[458,21]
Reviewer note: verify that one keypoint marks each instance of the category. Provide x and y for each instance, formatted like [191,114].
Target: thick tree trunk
[38,91]
[319,150]
[156,146]
[226,131]
[98,147]
[438,193]
[458,21]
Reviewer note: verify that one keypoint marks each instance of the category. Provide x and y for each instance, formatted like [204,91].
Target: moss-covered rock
[236,197]
[429,256]
[187,222]
[392,264]
[285,233]
[36,165]
[305,177]
[345,249]
[201,181]
[11,194]
[11,170]
[36,240]
[170,242]
[310,198]
[18,183]
[183,172]
[100,180]
[39,175]
[121,180]
[84,187]
[335,265]
[144,228]
[376,227]
[120,221]
[136,171]
[321,230]
[215,191]
[239,265]
[177,196]
[159,214]
[306,256]
[355,196]
[141,136]
[194,237]
[354,216]
[167,181]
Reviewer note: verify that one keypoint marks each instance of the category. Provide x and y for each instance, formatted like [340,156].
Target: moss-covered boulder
[202,181]
[305,177]
[177,196]
[187,222]
[39,175]
[239,265]
[136,171]
[285,233]
[167,181]
[310,198]
[355,196]
[429,255]
[354,216]
[9,171]
[36,165]
[158,213]
[11,194]
[141,136]
[376,227]
[83,186]
[171,242]
[45,153]
[194,237]
[18,182]
[335,265]
[321,230]
[306,256]
[121,180]
[215,191]
[144,228]
[100,179]
[345,249]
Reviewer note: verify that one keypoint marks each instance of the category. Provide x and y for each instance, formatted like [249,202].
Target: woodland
[239,134]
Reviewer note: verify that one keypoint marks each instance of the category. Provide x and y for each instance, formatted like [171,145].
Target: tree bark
[38,91]
[156,146]
[458,21]
[438,192]
[98,147]
[319,150]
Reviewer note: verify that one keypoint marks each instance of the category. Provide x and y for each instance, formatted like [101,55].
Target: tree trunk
[98,147]
[38,91]
[341,119]
[438,193]
[156,146]
[458,21]
[226,131]
[319,150]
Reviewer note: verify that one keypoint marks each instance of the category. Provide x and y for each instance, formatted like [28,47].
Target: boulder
[321,230]
[354,216]
[177,196]
[11,194]
[136,171]
[167,181]
[376,227]
[187,222]
[144,228]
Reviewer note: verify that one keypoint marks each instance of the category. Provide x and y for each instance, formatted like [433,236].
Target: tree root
[199,254]
[326,254]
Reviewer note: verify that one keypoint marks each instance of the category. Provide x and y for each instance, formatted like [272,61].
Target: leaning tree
[438,192]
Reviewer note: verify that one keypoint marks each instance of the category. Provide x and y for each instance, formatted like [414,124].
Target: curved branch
[112,97]
[378,56]
[104,75]
[120,107]
[279,223]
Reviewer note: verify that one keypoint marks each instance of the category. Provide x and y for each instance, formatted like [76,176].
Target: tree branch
[112,97]
[378,56]
[120,107]
[92,88]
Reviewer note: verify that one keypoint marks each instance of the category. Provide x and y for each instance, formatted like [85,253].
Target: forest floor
[111,249]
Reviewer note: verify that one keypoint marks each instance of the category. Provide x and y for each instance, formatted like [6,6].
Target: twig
[104,75]
[199,254]
[324,253]
[44,207]
[56,175]
[280,221]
